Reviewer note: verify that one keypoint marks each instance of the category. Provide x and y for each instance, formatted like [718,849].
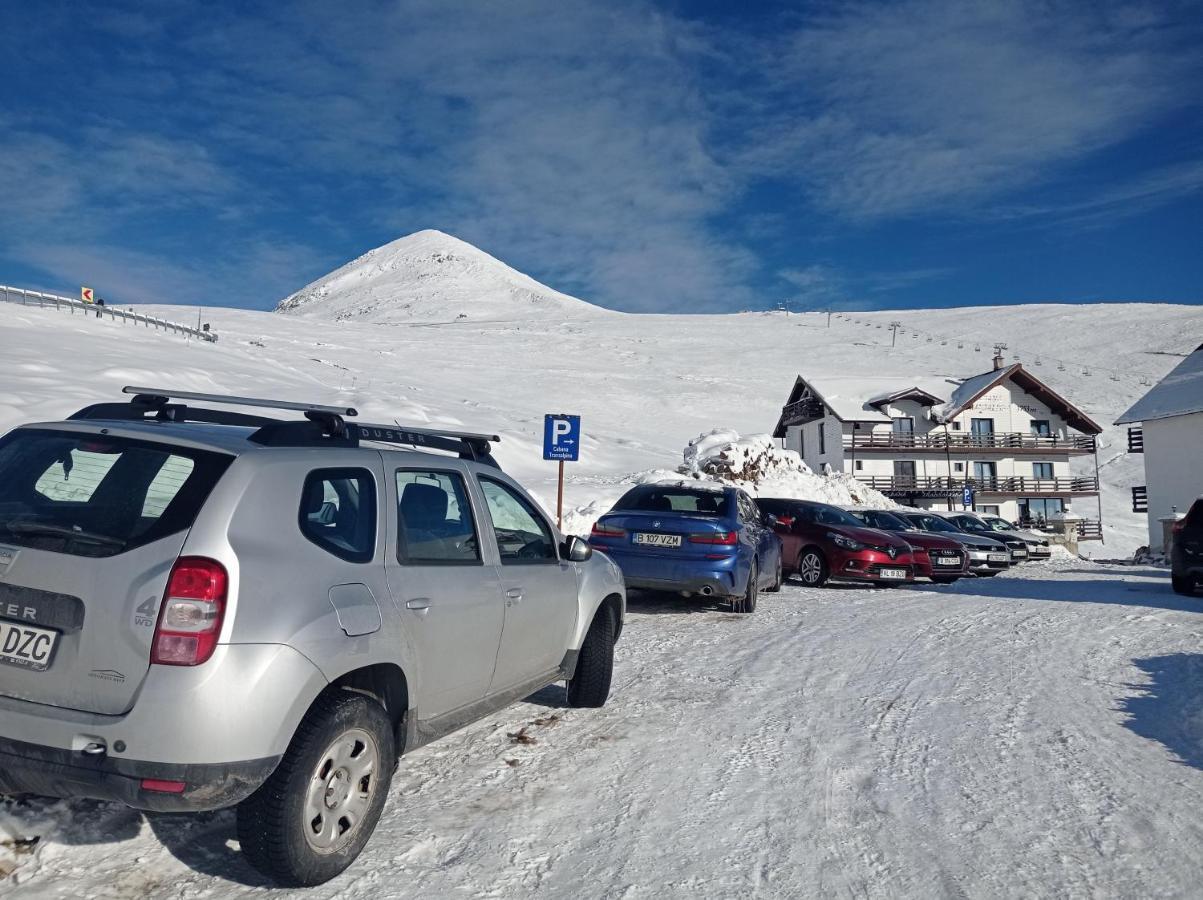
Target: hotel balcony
[1006,443]
[1015,485]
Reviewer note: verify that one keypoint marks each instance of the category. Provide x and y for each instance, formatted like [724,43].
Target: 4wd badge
[8,555]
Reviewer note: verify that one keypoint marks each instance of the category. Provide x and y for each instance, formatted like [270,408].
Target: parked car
[821,541]
[205,608]
[941,559]
[987,556]
[971,524]
[692,539]
[1186,552]
[1038,545]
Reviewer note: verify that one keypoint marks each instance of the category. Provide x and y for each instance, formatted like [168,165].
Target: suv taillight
[725,538]
[190,620]
[600,530]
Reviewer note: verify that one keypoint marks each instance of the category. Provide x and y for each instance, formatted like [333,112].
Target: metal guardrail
[971,443]
[38,298]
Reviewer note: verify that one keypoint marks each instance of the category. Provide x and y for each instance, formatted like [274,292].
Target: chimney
[998,360]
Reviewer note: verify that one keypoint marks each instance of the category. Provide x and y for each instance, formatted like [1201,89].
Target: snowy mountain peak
[430,276]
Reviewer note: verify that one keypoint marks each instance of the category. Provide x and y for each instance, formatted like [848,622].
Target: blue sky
[677,156]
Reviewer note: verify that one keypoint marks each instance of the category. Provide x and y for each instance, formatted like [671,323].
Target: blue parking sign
[967,497]
[562,437]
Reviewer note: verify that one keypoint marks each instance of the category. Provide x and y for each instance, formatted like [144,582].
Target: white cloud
[889,109]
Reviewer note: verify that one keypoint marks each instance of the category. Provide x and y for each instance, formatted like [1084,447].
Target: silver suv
[202,608]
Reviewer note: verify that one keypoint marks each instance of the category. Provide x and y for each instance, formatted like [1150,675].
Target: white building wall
[1173,467]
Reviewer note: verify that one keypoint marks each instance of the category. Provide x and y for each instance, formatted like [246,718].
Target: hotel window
[958,467]
[860,464]
[1042,470]
[822,440]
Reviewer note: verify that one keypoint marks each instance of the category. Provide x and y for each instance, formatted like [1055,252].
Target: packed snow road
[1040,733]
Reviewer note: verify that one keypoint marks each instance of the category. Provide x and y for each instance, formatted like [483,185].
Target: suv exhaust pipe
[707,591]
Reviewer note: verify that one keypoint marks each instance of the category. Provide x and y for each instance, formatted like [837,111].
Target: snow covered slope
[645,385]
[431,276]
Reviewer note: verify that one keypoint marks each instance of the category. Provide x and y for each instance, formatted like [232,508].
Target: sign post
[967,497]
[85,294]
[561,442]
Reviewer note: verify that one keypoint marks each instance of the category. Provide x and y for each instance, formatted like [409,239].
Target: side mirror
[575,550]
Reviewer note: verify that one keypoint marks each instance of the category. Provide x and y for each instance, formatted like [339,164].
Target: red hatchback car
[820,541]
[941,559]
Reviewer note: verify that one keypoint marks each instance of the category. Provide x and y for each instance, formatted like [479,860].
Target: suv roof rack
[323,425]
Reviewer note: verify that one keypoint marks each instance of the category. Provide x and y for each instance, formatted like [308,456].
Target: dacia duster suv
[201,608]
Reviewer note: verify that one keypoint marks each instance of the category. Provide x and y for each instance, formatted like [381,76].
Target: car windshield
[884,520]
[96,495]
[657,498]
[998,524]
[823,514]
[932,523]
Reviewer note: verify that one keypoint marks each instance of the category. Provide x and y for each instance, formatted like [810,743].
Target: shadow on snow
[1169,707]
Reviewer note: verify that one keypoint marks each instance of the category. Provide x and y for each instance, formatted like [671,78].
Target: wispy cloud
[890,109]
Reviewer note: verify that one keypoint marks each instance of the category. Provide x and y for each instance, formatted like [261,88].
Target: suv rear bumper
[53,772]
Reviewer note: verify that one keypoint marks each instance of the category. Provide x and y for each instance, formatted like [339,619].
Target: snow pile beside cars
[754,463]
[763,469]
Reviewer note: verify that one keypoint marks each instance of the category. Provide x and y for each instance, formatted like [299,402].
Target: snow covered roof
[1180,393]
[967,393]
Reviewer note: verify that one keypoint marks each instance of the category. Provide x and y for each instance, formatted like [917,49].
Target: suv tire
[344,736]
[1183,584]
[590,683]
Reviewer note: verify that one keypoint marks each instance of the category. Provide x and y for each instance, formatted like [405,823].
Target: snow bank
[754,463]
[763,469]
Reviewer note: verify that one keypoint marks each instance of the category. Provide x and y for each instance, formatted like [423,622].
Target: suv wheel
[812,568]
[315,813]
[1183,584]
[747,602]
[590,683]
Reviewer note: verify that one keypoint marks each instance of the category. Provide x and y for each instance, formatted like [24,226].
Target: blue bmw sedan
[693,539]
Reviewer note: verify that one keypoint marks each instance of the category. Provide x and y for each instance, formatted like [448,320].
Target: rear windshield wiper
[46,529]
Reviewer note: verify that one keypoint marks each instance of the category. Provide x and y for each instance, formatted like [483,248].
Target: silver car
[1038,544]
[202,608]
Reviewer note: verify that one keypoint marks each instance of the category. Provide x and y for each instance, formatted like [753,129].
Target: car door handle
[419,603]
[514,594]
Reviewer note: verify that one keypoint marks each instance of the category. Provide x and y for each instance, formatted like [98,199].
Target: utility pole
[894,326]
[828,318]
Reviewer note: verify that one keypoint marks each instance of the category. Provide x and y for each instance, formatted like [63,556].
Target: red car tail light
[192,612]
[600,530]
[161,786]
[726,538]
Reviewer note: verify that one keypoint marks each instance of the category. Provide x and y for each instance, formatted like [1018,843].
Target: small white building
[1166,424]
[1004,434]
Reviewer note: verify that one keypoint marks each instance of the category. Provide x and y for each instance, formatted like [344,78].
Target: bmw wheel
[812,568]
[747,602]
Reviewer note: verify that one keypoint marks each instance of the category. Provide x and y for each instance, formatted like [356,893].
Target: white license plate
[999,557]
[1019,553]
[893,573]
[25,646]
[657,540]
[948,560]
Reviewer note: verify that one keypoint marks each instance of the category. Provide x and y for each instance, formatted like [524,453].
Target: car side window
[338,512]
[748,510]
[434,519]
[523,536]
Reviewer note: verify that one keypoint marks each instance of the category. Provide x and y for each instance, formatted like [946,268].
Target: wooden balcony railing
[801,411]
[1011,442]
[1015,484]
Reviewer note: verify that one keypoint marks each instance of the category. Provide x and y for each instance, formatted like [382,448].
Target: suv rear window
[650,498]
[96,495]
